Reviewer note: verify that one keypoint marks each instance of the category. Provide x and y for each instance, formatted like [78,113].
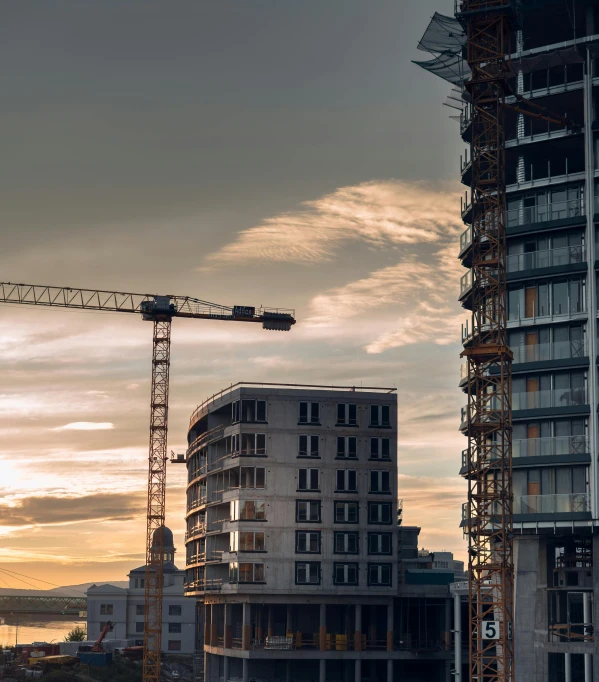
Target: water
[38,628]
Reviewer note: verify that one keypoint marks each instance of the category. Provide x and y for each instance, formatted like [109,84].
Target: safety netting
[444,39]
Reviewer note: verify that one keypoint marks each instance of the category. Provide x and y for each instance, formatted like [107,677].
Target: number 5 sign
[490,629]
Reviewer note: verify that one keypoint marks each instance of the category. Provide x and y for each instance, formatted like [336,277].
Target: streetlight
[17,630]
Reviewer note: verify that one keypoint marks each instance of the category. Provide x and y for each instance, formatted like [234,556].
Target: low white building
[125,607]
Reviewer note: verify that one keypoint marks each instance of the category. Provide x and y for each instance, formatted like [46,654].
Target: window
[309,413]
[252,477]
[307,542]
[248,411]
[347,414]
[174,645]
[307,510]
[106,609]
[379,574]
[345,574]
[307,572]
[250,541]
[307,479]
[253,444]
[379,448]
[139,626]
[346,512]
[139,583]
[246,572]
[380,415]
[346,481]
[174,627]
[347,447]
[174,610]
[379,512]
[380,482]
[248,510]
[308,446]
[139,610]
[347,543]
[379,543]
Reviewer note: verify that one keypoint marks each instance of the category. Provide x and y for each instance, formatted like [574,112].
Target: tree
[77,634]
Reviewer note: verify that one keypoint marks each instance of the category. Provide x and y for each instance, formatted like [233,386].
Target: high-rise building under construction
[551,179]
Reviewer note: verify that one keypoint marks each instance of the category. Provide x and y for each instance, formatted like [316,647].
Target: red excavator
[97,647]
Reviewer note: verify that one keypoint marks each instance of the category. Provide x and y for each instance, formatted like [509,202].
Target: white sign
[490,629]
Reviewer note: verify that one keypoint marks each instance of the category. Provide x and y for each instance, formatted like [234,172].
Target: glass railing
[558,350]
[465,282]
[565,255]
[466,238]
[561,397]
[526,215]
[560,445]
[552,504]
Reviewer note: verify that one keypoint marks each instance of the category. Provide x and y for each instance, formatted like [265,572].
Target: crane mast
[159,310]
[488,25]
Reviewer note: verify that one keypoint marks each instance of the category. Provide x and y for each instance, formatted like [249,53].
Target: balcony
[528,215]
[466,239]
[465,283]
[548,447]
[561,397]
[559,350]
[552,504]
[549,258]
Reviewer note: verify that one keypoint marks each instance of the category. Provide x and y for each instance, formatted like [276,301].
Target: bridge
[68,606]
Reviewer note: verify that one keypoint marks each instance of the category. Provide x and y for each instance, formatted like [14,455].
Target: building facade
[125,608]
[551,174]
[291,532]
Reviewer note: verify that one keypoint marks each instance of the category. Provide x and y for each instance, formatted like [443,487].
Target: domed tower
[168,543]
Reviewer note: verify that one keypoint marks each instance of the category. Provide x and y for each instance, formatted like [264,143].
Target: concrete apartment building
[291,532]
[552,213]
[125,607]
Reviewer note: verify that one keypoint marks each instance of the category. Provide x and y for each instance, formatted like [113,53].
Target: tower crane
[160,310]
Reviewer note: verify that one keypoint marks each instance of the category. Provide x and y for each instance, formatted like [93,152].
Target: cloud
[381,213]
[50,510]
[86,426]
[422,287]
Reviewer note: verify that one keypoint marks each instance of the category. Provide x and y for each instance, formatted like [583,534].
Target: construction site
[298,567]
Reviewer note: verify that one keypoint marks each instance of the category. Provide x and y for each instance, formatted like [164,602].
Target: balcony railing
[466,238]
[562,397]
[558,350]
[465,282]
[542,447]
[552,504]
[565,255]
[527,215]
[198,530]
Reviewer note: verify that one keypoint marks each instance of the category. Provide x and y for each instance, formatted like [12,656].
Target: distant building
[125,607]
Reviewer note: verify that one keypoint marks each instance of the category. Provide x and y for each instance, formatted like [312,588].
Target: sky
[279,153]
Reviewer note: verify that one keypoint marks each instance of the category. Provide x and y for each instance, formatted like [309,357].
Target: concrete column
[323,670]
[390,616]
[457,627]
[358,632]
[246,669]
[228,629]
[289,621]
[246,628]
[226,669]
[588,668]
[390,670]
[270,630]
[358,671]
[287,671]
[323,627]
[568,658]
